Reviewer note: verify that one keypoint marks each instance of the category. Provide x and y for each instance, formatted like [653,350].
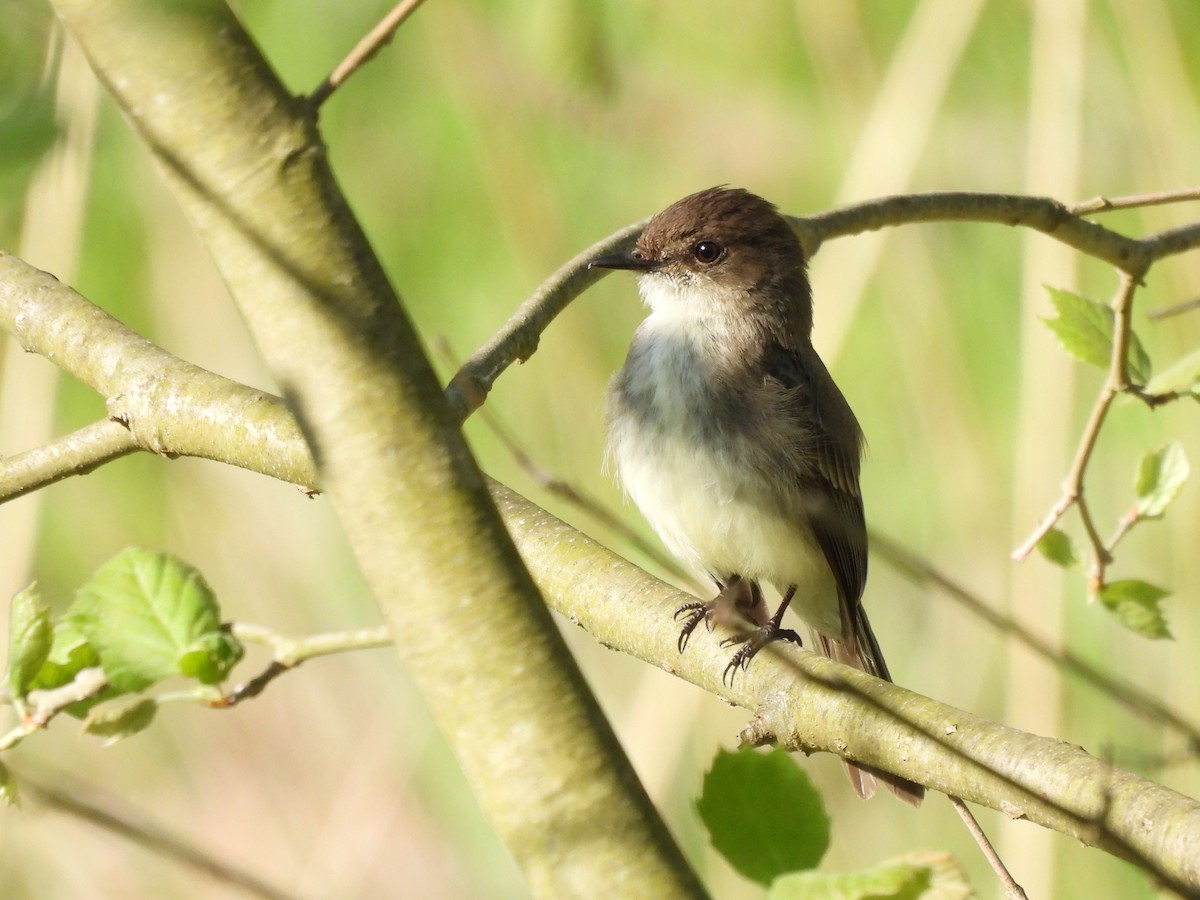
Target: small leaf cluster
[142,618]
[1085,330]
[767,819]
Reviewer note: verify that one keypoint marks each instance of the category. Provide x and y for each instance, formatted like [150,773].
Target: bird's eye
[708,251]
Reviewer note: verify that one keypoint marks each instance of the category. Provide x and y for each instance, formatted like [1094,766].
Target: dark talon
[752,642]
[695,613]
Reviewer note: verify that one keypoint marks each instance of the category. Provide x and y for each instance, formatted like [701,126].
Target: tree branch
[517,340]
[77,453]
[372,42]
[806,702]
[249,169]
[165,404]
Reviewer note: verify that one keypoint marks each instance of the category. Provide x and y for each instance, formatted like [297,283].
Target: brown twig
[289,652]
[518,338]
[1073,486]
[1133,201]
[1012,890]
[371,43]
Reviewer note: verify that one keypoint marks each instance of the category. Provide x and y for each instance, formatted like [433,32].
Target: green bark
[248,166]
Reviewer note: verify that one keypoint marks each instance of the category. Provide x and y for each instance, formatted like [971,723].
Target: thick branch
[166,405]
[249,169]
[807,702]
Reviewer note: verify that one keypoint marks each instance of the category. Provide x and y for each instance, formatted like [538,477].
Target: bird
[733,440]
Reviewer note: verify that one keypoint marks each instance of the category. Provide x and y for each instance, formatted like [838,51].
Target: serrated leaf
[1160,478]
[141,612]
[210,657]
[1183,376]
[763,814]
[9,794]
[117,721]
[30,636]
[70,653]
[1058,547]
[1085,330]
[1136,606]
[914,876]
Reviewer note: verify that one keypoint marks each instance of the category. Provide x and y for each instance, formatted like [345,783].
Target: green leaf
[1183,376]
[1085,329]
[1160,478]
[8,787]
[1135,604]
[925,875]
[142,612]
[29,638]
[1058,547]
[763,814]
[117,721]
[70,653]
[210,657]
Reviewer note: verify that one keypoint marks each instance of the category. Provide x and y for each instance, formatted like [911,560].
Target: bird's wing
[833,504]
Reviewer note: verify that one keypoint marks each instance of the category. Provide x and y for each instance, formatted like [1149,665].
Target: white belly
[710,514]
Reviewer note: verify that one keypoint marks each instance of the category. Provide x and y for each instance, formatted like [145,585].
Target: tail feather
[861,650]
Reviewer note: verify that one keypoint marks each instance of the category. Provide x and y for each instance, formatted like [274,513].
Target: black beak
[624,261]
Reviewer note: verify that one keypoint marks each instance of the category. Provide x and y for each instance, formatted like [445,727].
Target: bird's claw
[693,614]
[752,642]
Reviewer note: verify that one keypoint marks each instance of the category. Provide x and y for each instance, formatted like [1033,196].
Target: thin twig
[1124,526]
[1117,382]
[1012,890]
[42,706]
[371,43]
[288,652]
[1133,201]
[518,338]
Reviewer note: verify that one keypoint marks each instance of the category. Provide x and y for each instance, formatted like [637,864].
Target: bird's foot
[753,641]
[692,614]
[738,597]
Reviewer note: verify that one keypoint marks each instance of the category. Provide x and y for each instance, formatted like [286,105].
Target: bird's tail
[861,650]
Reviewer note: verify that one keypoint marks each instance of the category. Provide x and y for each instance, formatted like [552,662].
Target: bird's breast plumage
[691,449]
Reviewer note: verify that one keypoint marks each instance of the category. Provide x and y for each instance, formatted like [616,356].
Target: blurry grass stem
[105,813]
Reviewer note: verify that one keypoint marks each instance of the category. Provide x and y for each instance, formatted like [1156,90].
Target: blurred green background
[486,145]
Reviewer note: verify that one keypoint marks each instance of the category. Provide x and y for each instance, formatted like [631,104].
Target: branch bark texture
[249,169]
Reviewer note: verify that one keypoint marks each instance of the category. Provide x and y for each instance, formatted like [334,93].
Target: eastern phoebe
[732,438]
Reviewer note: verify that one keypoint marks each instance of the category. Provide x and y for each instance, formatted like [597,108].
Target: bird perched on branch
[734,441]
